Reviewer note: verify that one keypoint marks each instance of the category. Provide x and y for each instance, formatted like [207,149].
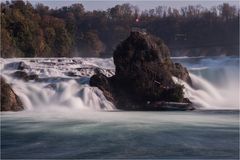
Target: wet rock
[33,77]
[143,74]
[16,65]
[24,76]
[101,81]
[9,100]
[181,72]
[20,75]
[97,71]
[169,106]
[71,74]
[22,66]
[186,100]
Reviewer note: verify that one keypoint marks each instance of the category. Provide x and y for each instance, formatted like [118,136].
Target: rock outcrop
[9,100]
[24,76]
[22,66]
[143,75]
[17,65]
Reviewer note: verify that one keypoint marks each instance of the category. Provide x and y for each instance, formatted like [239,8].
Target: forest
[72,31]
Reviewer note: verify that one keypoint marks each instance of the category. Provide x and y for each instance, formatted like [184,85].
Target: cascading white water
[60,122]
[64,83]
[56,91]
[205,95]
[215,82]
[61,96]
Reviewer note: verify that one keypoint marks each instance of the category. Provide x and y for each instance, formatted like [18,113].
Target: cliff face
[144,73]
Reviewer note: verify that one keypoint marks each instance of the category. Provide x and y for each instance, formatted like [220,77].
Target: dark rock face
[181,72]
[71,74]
[24,76]
[17,65]
[9,100]
[102,82]
[144,73]
[22,66]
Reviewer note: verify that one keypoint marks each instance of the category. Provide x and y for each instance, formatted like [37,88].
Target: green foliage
[28,31]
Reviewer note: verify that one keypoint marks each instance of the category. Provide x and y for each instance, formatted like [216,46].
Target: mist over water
[56,90]
[66,118]
[120,135]
[215,82]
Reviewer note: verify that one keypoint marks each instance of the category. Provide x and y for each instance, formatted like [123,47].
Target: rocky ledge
[143,77]
[9,100]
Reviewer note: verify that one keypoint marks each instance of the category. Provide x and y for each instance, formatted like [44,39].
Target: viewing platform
[140,30]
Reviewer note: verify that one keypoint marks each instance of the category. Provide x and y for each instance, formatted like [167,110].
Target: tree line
[39,31]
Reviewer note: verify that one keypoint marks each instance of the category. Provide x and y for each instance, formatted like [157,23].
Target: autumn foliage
[38,31]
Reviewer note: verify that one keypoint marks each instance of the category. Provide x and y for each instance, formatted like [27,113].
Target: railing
[141,30]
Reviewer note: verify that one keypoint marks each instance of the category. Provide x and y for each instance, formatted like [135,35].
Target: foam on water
[215,82]
[206,96]
[62,118]
[56,90]
[63,83]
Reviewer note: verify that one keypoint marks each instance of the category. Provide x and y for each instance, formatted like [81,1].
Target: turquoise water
[89,134]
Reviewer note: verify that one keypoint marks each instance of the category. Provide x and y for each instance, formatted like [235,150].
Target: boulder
[24,76]
[16,65]
[22,66]
[33,77]
[20,75]
[145,53]
[102,82]
[143,74]
[71,74]
[9,100]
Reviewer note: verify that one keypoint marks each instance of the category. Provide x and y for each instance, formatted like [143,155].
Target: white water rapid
[63,82]
[215,81]
[55,89]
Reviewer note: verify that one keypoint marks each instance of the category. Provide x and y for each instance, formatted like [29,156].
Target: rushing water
[215,81]
[65,118]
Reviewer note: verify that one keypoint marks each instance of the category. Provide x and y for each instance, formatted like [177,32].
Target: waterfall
[61,96]
[64,82]
[56,90]
[215,82]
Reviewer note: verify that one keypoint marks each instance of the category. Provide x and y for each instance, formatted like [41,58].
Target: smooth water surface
[196,134]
